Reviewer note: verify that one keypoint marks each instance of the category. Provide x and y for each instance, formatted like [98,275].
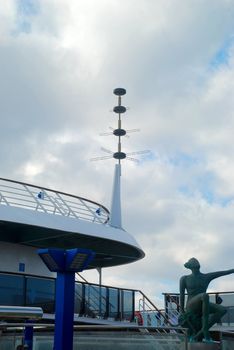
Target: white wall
[11,255]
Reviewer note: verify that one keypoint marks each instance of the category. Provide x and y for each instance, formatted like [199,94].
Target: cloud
[59,62]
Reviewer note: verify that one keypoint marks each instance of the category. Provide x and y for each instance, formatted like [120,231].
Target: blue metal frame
[65,263]
[64,311]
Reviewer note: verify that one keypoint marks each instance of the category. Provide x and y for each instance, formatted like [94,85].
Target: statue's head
[192,263]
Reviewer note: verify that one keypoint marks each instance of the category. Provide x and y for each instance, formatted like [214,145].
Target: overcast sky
[59,63]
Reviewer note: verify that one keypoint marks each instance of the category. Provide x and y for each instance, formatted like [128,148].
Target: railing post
[122,305]
[118,317]
[143,301]
[82,304]
[133,306]
[166,297]
[107,311]
[100,301]
[143,310]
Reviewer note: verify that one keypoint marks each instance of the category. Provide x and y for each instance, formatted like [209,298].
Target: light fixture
[71,260]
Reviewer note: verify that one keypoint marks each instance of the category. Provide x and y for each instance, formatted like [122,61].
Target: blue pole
[28,337]
[64,311]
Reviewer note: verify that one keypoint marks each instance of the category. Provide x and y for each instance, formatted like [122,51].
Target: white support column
[99,270]
[115,215]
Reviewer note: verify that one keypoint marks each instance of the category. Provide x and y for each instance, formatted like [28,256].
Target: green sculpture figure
[199,315]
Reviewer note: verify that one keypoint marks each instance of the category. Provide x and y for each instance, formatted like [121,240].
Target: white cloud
[55,95]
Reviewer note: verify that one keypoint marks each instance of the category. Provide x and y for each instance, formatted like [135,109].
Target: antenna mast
[116,216]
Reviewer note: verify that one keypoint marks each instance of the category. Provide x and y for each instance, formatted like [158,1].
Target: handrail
[156,309]
[210,293]
[106,301]
[173,313]
[84,279]
[52,203]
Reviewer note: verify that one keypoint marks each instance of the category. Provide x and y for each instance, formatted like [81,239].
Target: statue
[199,315]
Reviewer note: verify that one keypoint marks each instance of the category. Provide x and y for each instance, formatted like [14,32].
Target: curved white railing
[24,195]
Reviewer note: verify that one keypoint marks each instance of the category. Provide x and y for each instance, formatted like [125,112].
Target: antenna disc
[119,132]
[119,91]
[119,109]
[119,155]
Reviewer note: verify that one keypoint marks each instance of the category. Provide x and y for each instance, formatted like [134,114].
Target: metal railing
[172,307]
[91,300]
[151,315]
[42,199]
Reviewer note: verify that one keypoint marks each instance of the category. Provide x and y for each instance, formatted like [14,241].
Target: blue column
[28,337]
[64,311]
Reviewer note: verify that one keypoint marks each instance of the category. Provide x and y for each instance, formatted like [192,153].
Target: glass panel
[40,292]
[113,303]
[227,299]
[127,305]
[7,343]
[78,298]
[95,300]
[127,341]
[227,344]
[11,290]
[212,298]
[228,318]
[103,301]
[227,341]
[91,300]
[114,340]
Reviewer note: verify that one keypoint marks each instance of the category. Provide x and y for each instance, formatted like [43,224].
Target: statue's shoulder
[183,278]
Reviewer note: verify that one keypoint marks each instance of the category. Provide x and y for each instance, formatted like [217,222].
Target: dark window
[40,292]
[11,290]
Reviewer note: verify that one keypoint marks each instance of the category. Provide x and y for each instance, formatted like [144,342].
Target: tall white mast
[116,215]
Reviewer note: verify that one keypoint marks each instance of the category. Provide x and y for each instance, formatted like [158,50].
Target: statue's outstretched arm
[182,293]
[213,275]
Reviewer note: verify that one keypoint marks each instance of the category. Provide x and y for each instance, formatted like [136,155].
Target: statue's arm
[213,275]
[182,293]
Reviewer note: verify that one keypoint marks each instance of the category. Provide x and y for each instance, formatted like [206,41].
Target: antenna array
[119,132]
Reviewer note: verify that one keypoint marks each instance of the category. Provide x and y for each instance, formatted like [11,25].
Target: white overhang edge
[66,224]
